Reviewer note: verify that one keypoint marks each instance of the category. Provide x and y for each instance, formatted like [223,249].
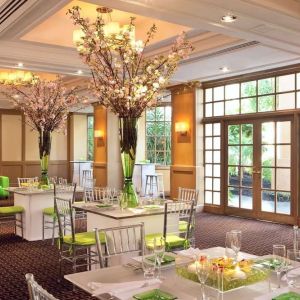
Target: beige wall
[79,136]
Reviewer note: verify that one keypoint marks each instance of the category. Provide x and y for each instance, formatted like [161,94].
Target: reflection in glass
[217,198]
[266,103]
[285,83]
[232,91]
[208,170]
[232,107]
[218,93]
[268,201]
[248,89]
[268,132]
[208,129]
[233,134]
[246,198]
[283,157]
[247,155]
[208,143]
[268,155]
[285,101]
[283,205]
[208,197]
[233,155]
[208,184]
[266,86]
[219,109]
[283,179]
[233,176]
[217,170]
[247,134]
[233,196]
[246,176]
[248,105]
[268,178]
[284,132]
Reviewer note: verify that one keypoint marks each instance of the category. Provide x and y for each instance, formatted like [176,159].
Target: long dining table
[182,288]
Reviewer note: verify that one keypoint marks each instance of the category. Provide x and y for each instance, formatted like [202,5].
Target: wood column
[100,146]
[184,161]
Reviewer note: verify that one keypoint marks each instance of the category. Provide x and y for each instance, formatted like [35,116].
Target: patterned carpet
[19,257]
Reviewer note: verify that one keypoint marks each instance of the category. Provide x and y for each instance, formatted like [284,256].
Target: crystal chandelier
[17,77]
[110,27]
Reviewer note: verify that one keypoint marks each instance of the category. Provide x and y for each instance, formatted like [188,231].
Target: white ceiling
[265,35]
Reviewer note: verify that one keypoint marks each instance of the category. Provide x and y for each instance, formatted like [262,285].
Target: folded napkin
[121,290]
[191,252]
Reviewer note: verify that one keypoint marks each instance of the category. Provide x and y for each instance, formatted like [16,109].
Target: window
[261,95]
[158,135]
[90,137]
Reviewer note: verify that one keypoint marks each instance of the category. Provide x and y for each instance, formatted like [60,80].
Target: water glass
[279,261]
[293,275]
[234,241]
[123,201]
[159,247]
[149,267]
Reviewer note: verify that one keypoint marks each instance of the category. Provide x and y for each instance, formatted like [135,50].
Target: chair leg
[53,230]
[43,227]
[89,258]
[22,229]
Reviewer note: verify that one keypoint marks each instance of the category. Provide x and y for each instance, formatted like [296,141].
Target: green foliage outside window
[158,135]
[90,138]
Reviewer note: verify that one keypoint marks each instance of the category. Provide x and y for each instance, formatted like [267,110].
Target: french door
[259,169]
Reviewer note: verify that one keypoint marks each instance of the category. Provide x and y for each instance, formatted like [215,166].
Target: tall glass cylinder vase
[128,142]
[44,149]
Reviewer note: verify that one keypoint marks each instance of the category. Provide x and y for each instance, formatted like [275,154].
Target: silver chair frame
[185,194]
[69,252]
[120,240]
[26,180]
[12,218]
[36,292]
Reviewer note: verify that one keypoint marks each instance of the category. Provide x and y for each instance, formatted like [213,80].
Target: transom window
[158,135]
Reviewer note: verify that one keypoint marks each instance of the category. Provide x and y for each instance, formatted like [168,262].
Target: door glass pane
[217,157]
[283,134]
[217,170]
[217,143]
[233,134]
[208,129]
[208,170]
[246,155]
[208,157]
[232,107]
[247,134]
[217,129]
[232,91]
[246,176]
[283,179]
[283,203]
[208,183]
[233,176]
[283,156]
[268,178]
[233,196]
[208,95]
[208,143]
[246,199]
[233,155]
[268,133]
[217,184]
[208,197]
[285,101]
[217,198]
[219,109]
[268,201]
[268,155]
[208,110]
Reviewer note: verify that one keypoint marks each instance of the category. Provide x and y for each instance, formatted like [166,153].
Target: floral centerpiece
[45,105]
[125,80]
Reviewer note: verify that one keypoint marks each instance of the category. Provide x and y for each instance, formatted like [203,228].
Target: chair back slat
[99,194]
[119,240]
[185,194]
[27,180]
[36,292]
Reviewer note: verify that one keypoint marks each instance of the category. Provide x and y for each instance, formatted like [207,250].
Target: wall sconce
[99,136]
[182,128]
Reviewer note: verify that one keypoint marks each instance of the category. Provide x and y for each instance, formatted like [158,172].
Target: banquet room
[149,149]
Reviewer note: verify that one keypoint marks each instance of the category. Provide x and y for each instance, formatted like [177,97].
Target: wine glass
[122,199]
[202,266]
[279,261]
[148,264]
[293,275]
[234,241]
[159,247]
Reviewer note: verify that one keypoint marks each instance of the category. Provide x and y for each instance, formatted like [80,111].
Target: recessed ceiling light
[79,72]
[20,65]
[229,18]
[224,69]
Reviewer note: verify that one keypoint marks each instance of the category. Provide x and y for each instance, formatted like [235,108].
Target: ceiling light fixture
[224,69]
[228,18]
[20,65]
[17,77]
[79,72]
[109,28]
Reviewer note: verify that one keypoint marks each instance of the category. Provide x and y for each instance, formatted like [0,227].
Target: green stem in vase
[44,150]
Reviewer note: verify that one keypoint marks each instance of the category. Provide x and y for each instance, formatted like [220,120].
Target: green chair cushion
[84,238]
[49,211]
[172,240]
[4,181]
[183,226]
[79,202]
[11,210]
